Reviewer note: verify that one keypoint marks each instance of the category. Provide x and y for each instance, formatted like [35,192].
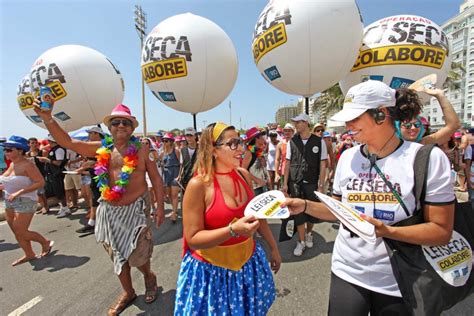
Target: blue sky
[29,28]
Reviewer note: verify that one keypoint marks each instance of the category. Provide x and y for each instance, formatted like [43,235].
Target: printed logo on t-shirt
[370,188]
[384,215]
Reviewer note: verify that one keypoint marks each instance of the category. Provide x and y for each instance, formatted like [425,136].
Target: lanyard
[394,192]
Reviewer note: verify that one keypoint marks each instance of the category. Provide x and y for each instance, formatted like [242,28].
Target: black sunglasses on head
[233,143]
[124,122]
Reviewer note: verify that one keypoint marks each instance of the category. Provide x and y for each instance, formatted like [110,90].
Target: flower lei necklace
[255,150]
[130,161]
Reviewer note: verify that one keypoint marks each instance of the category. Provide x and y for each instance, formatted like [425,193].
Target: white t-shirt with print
[355,260]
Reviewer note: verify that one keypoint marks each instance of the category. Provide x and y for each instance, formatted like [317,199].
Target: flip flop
[22,260]
[48,251]
[151,291]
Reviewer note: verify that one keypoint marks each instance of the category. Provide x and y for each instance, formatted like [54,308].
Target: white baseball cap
[289,126]
[364,96]
[95,129]
[302,117]
[190,131]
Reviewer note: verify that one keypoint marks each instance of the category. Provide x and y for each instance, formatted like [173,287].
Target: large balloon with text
[399,50]
[189,63]
[86,86]
[303,47]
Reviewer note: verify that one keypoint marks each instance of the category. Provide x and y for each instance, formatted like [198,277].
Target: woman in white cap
[20,182]
[362,278]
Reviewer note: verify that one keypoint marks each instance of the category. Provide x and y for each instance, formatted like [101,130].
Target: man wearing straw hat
[123,223]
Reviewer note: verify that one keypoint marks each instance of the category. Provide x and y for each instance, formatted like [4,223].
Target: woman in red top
[224,270]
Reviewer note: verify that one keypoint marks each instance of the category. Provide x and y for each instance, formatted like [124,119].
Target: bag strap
[420,167]
[390,186]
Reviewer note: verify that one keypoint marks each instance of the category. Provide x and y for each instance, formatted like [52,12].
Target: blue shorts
[86,180]
[20,205]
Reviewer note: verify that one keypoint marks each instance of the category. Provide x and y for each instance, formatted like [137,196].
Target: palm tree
[454,75]
[328,102]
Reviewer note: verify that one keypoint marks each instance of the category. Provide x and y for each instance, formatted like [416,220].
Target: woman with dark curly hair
[408,123]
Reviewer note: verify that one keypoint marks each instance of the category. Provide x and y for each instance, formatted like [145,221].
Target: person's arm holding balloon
[87,149]
[450,117]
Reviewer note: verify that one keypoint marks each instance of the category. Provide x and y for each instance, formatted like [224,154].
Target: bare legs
[19,224]
[125,278]
[173,193]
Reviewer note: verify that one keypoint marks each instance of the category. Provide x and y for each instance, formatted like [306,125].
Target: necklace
[130,161]
[255,150]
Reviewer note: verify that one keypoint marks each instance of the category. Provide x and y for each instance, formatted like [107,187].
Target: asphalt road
[78,279]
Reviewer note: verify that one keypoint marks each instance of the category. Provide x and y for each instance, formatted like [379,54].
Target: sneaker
[63,212]
[86,229]
[308,239]
[300,246]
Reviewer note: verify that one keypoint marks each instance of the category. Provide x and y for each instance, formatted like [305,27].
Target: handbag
[432,279]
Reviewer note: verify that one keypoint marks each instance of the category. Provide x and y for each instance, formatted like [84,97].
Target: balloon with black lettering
[399,50]
[23,94]
[86,86]
[303,47]
[189,63]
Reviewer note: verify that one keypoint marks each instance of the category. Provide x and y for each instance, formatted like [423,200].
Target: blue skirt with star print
[205,289]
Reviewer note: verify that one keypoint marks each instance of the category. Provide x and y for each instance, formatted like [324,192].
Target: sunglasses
[319,130]
[409,125]
[233,143]
[124,122]
[167,141]
[8,150]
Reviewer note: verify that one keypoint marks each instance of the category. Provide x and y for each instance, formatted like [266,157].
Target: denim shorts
[20,205]
[86,180]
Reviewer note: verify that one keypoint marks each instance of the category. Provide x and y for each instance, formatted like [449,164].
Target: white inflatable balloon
[189,63]
[303,47]
[85,83]
[399,50]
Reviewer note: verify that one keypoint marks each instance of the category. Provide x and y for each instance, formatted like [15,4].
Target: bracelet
[51,120]
[305,205]
[231,231]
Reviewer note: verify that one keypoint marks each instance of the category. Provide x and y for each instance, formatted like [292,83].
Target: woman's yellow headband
[218,129]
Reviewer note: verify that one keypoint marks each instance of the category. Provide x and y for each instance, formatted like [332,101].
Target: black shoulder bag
[423,289]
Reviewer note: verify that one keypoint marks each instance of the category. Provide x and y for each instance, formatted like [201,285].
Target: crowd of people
[125,181]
